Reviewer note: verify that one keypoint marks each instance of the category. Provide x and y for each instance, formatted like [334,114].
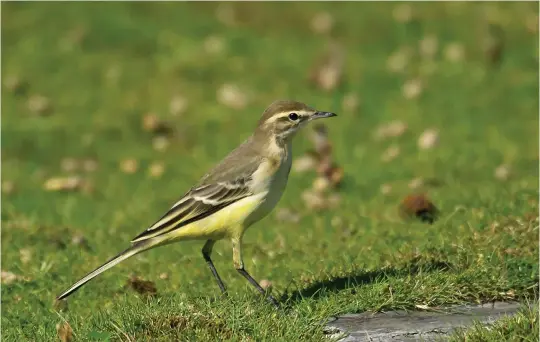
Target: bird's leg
[206,252]
[239,265]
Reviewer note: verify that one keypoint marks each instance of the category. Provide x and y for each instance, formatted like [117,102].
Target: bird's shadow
[324,288]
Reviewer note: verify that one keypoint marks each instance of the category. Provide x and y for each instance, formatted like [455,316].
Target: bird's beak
[320,115]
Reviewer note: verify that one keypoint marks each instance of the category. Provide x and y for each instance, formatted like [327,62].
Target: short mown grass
[104,66]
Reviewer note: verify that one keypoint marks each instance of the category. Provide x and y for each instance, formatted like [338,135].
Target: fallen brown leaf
[313,200]
[9,277]
[335,175]
[419,206]
[428,139]
[327,72]
[502,172]
[322,23]
[25,254]
[230,95]
[156,169]
[454,52]
[386,189]
[412,88]
[321,184]
[402,13]
[129,166]
[39,105]
[390,129]
[63,183]
[14,84]
[266,284]
[64,331]
[141,286]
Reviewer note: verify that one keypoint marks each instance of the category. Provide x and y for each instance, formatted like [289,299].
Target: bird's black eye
[293,116]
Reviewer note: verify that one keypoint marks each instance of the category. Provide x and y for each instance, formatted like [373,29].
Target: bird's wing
[226,184]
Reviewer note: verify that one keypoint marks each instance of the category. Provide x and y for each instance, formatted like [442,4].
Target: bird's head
[283,119]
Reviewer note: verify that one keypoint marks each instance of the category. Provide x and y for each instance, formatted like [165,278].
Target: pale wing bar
[196,205]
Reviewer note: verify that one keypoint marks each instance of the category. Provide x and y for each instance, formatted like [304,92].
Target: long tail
[131,251]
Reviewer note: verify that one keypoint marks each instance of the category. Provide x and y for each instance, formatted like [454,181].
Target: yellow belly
[227,222]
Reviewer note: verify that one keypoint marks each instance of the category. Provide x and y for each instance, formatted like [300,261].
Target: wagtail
[239,191]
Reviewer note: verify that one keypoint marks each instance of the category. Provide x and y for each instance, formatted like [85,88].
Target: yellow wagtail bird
[242,189]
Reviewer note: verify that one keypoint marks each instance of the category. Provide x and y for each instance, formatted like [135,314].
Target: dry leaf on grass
[502,172]
[402,13]
[412,88]
[454,52]
[129,166]
[230,95]
[14,84]
[266,284]
[155,125]
[313,199]
[322,23]
[63,183]
[160,143]
[25,254]
[419,206]
[416,183]
[390,129]
[327,71]
[386,189]
[156,169]
[64,331]
[141,286]
[9,277]
[226,14]
[39,105]
[428,139]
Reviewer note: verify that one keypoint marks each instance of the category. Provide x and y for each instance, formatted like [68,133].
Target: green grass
[484,247]
[515,328]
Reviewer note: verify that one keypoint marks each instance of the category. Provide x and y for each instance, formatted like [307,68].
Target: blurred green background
[110,111]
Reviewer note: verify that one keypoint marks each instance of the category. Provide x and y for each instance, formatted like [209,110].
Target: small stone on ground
[416,325]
